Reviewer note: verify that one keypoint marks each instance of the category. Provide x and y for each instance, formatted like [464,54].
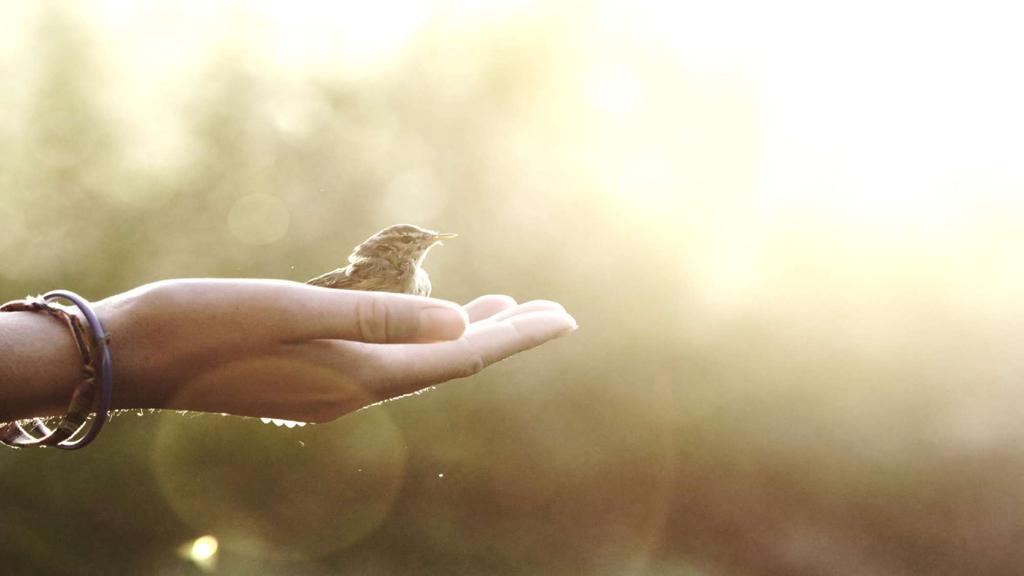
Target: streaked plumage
[389,261]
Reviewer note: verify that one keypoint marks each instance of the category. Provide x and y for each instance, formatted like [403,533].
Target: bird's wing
[361,275]
[333,279]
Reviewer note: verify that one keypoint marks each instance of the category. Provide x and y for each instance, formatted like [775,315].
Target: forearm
[39,365]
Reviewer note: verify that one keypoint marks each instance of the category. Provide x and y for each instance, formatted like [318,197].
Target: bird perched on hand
[389,261]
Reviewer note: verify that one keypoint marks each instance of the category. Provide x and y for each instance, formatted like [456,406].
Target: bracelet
[93,346]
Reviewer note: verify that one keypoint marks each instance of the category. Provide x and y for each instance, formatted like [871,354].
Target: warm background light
[790,232]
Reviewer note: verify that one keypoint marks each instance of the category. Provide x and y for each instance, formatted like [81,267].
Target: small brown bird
[389,261]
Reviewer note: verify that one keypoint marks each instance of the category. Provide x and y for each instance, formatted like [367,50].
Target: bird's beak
[445,235]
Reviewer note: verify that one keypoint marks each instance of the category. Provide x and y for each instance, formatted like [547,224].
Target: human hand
[286,350]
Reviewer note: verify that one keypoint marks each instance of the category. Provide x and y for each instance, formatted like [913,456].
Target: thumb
[378,317]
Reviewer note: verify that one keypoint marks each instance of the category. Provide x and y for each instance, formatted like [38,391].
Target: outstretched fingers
[531,306]
[487,306]
[406,368]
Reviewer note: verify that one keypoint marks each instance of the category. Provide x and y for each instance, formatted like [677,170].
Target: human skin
[268,348]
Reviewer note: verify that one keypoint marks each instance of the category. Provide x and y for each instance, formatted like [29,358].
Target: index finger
[373,317]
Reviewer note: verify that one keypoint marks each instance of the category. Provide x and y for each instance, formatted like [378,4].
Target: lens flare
[333,484]
[202,552]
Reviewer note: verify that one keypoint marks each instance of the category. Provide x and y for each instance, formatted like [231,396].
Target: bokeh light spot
[202,552]
[204,548]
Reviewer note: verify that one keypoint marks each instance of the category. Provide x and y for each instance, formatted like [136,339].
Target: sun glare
[890,132]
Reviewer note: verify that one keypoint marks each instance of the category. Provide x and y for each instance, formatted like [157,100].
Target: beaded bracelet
[93,345]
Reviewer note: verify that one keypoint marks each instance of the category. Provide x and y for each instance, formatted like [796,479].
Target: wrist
[40,368]
[135,375]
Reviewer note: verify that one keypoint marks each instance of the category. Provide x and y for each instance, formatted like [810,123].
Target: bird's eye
[405,239]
